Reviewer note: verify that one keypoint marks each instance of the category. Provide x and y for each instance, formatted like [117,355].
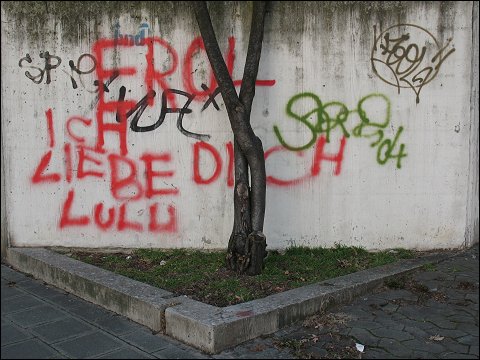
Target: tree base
[247,254]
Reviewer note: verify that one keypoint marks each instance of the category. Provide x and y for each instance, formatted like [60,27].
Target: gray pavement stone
[395,348]
[146,341]
[468,340]
[9,292]
[464,319]
[472,297]
[387,322]
[377,354]
[390,308]
[35,316]
[66,301]
[174,352]
[453,334]
[400,294]
[12,275]
[37,288]
[61,330]
[364,337]
[392,334]
[19,303]
[429,346]
[126,353]
[89,311]
[12,334]
[452,355]
[418,354]
[442,323]
[454,346]
[473,350]
[29,349]
[89,345]
[118,325]
[364,324]
[472,329]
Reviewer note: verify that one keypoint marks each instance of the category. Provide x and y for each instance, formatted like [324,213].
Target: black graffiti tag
[399,60]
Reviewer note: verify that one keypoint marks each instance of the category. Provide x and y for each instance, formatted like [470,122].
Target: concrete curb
[209,328]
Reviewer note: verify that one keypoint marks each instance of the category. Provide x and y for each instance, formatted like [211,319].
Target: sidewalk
[431,314]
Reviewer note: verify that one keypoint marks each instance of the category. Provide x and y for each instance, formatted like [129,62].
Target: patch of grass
[203,276]
[429,267]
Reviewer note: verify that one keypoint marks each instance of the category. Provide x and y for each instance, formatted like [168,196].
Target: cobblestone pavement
[432,313]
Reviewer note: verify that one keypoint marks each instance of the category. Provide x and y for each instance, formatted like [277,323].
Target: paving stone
[442,323]
[429,346]
[473,350]
[424,325]
[89,345]
[28,349]
[387,321]
[472,297]
[39,289]
[118,325]
[415,313]
[146,341]
[400,294]
[392,334]
[66,301]
[390,308]
[376,354]
[451,355]
[12,334]
[363,336]
[462,319]
[471,329]
[455,346]
[35,316]
[9,292]
[453,334]
[365,324]
[468,340]
[61,330]
[12,275]
[417,354]
[16,304]
[173,352]
[126,353]
[417,333]
[90,312]
[395,348]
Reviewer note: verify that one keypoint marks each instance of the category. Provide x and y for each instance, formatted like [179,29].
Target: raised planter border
[209,328]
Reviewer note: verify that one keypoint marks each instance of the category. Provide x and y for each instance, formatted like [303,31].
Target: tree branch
[215,57]
[247,90]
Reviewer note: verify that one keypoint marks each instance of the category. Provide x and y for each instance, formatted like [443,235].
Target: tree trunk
[247,243]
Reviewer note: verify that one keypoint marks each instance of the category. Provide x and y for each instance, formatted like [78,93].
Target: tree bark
[247,243]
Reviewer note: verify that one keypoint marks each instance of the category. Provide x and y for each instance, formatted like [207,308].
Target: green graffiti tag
[326,117]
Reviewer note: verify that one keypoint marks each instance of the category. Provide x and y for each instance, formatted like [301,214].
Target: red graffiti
[150,174]
[153,75]
[39,176]
[66,218]
[169,226]
[319,156]
[51,134]
[197,177]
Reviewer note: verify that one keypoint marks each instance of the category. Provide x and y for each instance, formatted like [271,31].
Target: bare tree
[246,247]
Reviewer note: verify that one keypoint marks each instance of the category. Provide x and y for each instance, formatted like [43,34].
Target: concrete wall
[364,110]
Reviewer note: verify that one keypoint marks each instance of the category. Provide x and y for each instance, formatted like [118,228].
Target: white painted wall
[320,49]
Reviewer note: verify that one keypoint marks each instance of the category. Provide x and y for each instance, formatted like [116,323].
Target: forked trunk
[247,243]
